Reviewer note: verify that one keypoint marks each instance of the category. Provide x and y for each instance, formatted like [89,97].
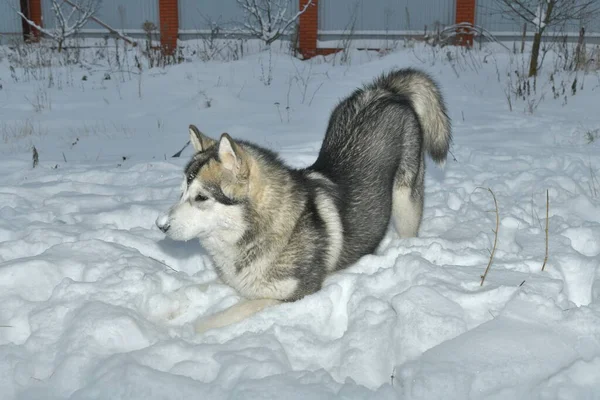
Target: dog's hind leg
[407,200]
[233,314]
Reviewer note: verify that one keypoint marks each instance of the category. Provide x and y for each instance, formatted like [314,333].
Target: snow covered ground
[96,304]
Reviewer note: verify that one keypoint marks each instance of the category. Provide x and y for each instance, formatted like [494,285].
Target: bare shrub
[68,20]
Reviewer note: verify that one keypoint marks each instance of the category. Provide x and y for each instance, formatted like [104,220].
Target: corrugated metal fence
[10,22]
[383,16]
[198,15]
[491,16]
[336,17]
[122,15]
[201,15]
[129,15]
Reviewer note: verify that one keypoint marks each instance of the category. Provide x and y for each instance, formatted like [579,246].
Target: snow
[540,17]
[95,303]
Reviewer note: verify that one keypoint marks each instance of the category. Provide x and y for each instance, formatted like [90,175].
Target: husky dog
[273,232]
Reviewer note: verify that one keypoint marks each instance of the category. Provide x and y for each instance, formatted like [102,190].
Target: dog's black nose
[164,228]
[162,223]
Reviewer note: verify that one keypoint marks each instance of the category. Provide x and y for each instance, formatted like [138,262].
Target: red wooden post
[465,12]
[309,26]
[169,25]
[35,15]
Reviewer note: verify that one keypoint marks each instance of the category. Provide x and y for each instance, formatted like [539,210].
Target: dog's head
[214,191]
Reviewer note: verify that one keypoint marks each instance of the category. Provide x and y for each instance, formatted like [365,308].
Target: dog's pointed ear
[230,154]
[199,140]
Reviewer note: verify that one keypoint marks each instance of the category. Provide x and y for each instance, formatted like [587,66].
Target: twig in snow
[487,269]
[594,184]
[241,89]
[453,156]
[278,111]
[178,154]
[547,209]
[160,262]
[36,157]
[315,92]
[533,211]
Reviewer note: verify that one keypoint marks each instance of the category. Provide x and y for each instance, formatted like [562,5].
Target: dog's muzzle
[162,223]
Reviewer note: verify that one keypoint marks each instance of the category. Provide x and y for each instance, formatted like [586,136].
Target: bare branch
[66,23]
[36,26]
[547,13]
[519,9]
[266,19]
[544,13]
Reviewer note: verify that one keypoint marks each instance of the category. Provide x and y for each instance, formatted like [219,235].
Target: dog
[275,233]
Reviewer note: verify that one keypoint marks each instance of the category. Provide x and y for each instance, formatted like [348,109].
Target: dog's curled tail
[429,105]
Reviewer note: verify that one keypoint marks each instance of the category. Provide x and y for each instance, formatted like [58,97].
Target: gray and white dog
[273,232]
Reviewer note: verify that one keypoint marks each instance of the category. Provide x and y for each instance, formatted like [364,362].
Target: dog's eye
[201,197]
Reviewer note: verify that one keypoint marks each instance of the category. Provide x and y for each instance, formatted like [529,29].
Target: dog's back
[274,233]
[373,151]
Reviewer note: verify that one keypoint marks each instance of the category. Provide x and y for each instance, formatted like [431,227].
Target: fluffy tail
[429,105]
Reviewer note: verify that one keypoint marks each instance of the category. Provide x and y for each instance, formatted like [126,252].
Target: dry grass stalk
[487,269]
[547,209]
[35,157]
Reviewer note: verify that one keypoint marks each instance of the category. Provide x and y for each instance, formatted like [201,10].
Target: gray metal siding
[197,15]
[10,22]
[491,17]
[121,15]
[384,15]
[373,17]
